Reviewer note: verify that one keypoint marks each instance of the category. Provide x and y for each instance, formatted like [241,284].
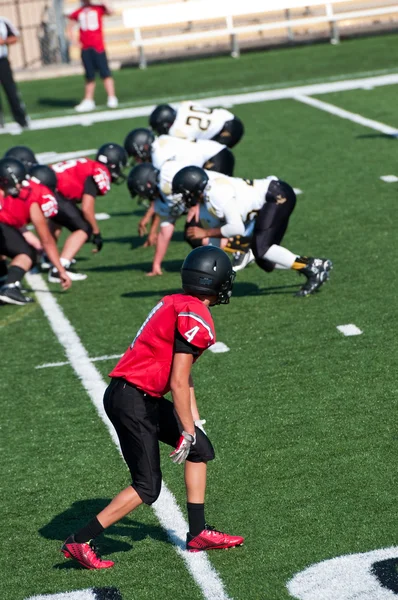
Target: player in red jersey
[89,16]
[24,202]
[81,181]
[176,332]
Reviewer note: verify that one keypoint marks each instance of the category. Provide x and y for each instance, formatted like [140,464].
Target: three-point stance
[176,332]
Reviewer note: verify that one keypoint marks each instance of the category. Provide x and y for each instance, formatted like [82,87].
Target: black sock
[3,268]
[14,274]
[89,532]
[196,518]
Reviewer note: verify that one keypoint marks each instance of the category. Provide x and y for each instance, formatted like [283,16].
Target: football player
[233,201]
[159,360]
[154,186]
[142,146]
[80,181]
[196,122]
[23,154]
[23,203]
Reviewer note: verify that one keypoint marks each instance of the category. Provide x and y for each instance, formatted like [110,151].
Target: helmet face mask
[207,272]
[12,176]
[114,157]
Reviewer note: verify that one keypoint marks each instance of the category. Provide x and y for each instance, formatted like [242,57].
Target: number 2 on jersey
[203,124]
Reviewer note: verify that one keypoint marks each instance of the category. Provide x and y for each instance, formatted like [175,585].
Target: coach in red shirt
[89,16]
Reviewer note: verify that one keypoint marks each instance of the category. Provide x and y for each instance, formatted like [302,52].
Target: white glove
[199,424]
[183,447]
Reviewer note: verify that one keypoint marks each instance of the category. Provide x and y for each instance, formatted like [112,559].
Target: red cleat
[211,539]
[85,554]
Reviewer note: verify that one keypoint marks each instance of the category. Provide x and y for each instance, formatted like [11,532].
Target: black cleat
[12,294]
[317,271]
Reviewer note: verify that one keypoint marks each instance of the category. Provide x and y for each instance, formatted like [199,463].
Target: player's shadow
[58,102]
[136,241]
[170,266]
[240,289]
[386,136]
[82,511]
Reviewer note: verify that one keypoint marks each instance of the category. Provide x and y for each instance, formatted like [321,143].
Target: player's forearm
[162,243]
[214,232]
[181,393]
[194,406]
[50,248]
[155,224]
[88,210]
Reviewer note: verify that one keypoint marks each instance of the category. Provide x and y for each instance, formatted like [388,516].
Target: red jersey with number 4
[16,211]
[147,362]
[72,175]
[90,23]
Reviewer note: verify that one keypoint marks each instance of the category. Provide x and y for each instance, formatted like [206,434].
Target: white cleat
[85,106]
[242,260]
[53,276]
[113,102]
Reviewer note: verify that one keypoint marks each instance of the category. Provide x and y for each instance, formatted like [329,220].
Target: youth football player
[159,360]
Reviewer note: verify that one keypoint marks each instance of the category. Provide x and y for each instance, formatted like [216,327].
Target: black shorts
[94,61]
[141,421]
[272,221]
[12,243]
[70,216]
[231,133]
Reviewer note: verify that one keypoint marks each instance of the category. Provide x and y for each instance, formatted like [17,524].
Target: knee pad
[265,265]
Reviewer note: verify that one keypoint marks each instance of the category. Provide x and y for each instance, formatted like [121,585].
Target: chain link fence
[41,26]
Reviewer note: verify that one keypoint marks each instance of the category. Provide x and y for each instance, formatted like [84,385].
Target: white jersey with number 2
[196,122]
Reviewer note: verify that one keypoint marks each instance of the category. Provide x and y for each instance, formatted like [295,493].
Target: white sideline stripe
[350,116]
[166,509]
[349,329]
[46,158]
[389,178]
[62,364]
[227,100]
[76,595]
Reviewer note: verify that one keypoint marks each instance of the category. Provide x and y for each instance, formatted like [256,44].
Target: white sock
[282,267]
[64,262]
[280,256]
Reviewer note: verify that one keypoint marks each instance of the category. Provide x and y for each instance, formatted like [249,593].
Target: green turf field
[302,418]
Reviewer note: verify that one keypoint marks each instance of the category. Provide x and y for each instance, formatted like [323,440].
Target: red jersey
[72,175]
[147,362]
[90,22]
[16,211]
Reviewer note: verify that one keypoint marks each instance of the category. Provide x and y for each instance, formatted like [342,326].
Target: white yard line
[389,178]
[349,329]
[166,508]
[62,364]
[46,158]
[221,100]
[345,114]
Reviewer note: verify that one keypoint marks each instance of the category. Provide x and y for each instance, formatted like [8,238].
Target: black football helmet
[190,182]
[162,118]
[23,154]
[143,181]
[12,173]
[45,175]
[115,158]
[138,144]
[207,271]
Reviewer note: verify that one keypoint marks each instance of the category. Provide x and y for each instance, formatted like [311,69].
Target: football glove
[199,424]
[97,241]
[183,447]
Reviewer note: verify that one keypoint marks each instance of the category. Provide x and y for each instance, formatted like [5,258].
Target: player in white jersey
[196,122]
[142,146]
[155,186]
[233,200]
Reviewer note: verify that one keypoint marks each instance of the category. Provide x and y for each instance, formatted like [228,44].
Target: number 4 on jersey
[191,333]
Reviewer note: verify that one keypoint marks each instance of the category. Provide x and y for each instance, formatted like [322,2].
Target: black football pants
[141,421]
[272,221]
[13,243]
[11,91]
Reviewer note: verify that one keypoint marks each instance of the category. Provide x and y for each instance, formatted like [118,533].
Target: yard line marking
[46,158]
[166,508]
[345,114]
[349,329]
[389,178]
[231,100]
[62,364]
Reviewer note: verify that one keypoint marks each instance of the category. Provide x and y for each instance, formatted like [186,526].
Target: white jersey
[195,122]
[166,147]
[234,201]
